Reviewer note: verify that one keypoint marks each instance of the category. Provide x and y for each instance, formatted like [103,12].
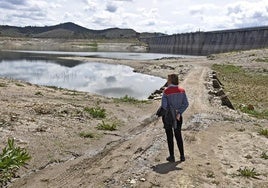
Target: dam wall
[205,43]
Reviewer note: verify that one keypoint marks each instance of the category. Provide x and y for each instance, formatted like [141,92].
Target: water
[113,55]
[100,78]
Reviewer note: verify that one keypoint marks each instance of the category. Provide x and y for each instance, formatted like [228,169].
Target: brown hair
[173,78]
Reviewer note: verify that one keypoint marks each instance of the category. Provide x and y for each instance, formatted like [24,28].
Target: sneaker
[182,158]
[171,159]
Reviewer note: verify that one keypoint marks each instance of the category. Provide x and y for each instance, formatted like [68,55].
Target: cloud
[204,9]
[16,2]
[110,79]
[111,8]
[234,10]
[101,20]
[12,4]
[124,0]
[91,6]
[142,16]
[231,15]
[30,15]
[246,14]
[151,23]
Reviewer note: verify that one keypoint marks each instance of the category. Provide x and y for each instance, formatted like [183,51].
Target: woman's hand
[178,116]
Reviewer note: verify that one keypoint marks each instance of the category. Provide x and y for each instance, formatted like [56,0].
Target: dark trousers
[178,136]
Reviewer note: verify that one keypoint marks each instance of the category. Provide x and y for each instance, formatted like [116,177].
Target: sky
[165,16]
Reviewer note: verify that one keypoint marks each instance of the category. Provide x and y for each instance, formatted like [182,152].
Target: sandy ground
[217,140]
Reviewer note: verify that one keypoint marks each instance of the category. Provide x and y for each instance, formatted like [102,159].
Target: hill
[70,30]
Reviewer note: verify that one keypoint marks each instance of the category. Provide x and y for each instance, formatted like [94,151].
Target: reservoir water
[100,78]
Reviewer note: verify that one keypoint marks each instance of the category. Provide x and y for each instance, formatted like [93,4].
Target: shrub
[86,135]
[130,99]
[11,159]
[19,85]
[255,113]
[248,173]
[264,132]
[39,93]
[107,126]
[264,155]
[4,123]
[3,85]
[96,112]
[210,175]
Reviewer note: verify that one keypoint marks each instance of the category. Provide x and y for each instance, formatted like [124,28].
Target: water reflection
[105,79]
[113,55]
[45,57]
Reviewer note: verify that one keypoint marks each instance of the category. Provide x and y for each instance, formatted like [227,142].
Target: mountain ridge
[71,30]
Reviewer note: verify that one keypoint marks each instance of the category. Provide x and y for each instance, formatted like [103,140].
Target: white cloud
[111,8]
[171,16]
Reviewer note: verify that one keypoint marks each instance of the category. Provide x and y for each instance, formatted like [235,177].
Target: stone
[220,93]
[143,179]
[250,107]
[133,181]
[226,102]
[216,84]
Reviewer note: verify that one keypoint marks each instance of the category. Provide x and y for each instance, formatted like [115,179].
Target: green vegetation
[129,99]
[244,87]
[210,175]
[39,93]
[264,155]
[19,85]
[93,45]
[54,87]
[4,123]
[259,114]
[87,134]
[11,159]
[264,132]
[3,85]
[96,112]
[265,60]
[248,173]
[107,126]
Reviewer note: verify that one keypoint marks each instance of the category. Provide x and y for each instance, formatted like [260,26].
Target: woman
[174,102]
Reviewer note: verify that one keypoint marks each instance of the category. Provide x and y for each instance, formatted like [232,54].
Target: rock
[216,84]
[214,76]
[226,102]
[142,179]
[212,92]
[211,57]
[151,97]
[158,91]
[133,181]
[250,107]
[167,67]
[220,93]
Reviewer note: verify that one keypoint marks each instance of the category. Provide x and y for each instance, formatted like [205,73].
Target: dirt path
[214,145]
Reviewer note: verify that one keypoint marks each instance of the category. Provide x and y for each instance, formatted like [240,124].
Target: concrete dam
[205,43]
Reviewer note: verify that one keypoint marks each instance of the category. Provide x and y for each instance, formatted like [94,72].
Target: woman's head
[173,79]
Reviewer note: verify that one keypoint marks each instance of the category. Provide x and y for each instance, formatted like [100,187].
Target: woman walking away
[174,103]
